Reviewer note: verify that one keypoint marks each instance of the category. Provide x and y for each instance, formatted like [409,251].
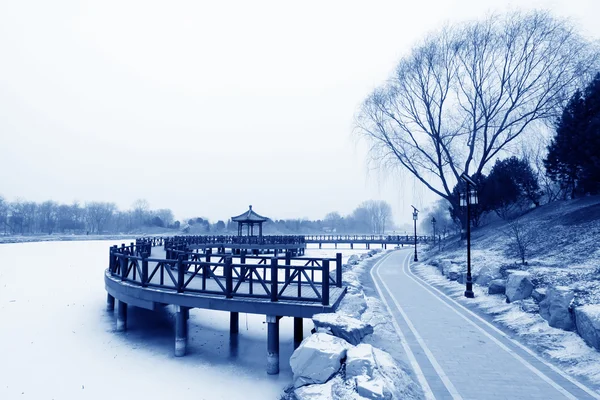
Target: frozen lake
[58,342]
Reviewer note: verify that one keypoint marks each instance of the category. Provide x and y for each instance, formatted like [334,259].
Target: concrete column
[298,331]
[234,322]
[121,316]
[180,331]
[110,302]
[272,345]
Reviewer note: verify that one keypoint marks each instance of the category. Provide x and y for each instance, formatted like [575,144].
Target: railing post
[288,262]
[112,265]
[338,270]
[144,276]
[325,283]
[123,265]
[228,278]
[180,273]
[274,286]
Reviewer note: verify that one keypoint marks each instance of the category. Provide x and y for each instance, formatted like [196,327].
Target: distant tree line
[49,217]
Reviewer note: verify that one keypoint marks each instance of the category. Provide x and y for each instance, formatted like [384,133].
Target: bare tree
[98,214]
[334,221]
[375,215]
[522,238]
[464,95]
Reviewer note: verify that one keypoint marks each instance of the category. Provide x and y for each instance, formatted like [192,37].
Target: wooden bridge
[156,271]
[366,240]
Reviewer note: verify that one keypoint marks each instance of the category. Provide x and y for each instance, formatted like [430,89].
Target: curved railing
[364,238]
[274,278]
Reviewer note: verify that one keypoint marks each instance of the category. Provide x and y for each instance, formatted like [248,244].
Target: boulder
[518,286]
[350,329]
[453,272]
[497,286]
[353,259]
[353,304]
[360,361]
[377,375]
[556,308]
[444,266]
[486,275]
[317,359]
[373,388]
[538,294]
[530,306]
[587,320]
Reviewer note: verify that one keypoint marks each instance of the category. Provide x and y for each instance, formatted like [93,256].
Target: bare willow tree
[465,94]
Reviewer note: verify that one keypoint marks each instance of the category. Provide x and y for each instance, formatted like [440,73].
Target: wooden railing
[365,238]
[229,275]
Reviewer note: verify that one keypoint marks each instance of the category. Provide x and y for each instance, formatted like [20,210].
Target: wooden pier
[158,271]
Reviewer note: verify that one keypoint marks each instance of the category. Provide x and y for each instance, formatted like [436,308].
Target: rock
[372,388]
[530,306]
[538,294]
[350,329]
[453,272]
[353,259]
[444,266]
[497,286]
[518,286]
[317,359]
[587,319]
[353,304]
[377,375]
[363,256]
[360,361]
[486,275]
[556,308]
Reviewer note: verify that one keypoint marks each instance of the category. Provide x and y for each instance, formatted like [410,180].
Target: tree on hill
[511,187]
[573,158]
[464,94]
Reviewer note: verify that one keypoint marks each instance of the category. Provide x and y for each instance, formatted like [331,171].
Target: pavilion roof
[249,216]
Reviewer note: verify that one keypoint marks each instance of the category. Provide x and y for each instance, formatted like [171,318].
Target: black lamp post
[415,217]
[433,221]
[466,199]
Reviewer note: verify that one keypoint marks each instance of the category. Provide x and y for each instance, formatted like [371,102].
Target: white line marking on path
[438,369]
[539,373]
[411,357]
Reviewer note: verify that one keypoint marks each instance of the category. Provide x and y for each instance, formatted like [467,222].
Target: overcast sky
[206,107]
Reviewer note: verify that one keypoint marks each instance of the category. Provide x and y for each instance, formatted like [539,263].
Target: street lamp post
[415,217]
[433,221]
[466,199]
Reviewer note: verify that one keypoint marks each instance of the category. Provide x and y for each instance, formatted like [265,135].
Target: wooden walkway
[275,286]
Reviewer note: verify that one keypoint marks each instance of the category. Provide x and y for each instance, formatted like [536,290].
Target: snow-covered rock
[538,294]
[444,266]
[360,360]
[453,272]
[317,359]
[353,304]
[377,375]
[372,388]
[556,308]
[530,306]
[497,286]
[353,259]
[350,329]
[518,286]
[587,320]
[486,275]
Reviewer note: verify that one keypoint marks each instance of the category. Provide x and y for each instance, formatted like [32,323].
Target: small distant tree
[220,226]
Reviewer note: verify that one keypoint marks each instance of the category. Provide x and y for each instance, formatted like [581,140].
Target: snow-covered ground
[566,349]
[58,342]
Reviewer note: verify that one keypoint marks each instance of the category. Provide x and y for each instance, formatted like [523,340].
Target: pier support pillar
[272,345]
[121,316]
[351,245]
[320,245]
[234,322]
[181,331]
[110,302]
[298,332]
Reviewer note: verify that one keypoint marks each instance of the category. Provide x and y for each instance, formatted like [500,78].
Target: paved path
[455,353]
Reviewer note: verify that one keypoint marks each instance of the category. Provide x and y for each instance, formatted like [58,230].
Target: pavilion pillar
[121,316]
[298,331]
[110,302]
[272,345]
[181,331]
